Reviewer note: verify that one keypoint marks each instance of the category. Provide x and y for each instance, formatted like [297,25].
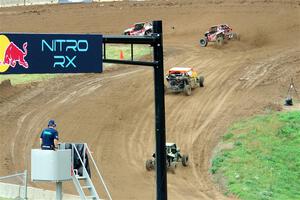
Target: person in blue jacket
[49,137]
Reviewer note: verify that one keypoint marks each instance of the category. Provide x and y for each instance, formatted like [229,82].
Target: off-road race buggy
[140,29]
[183,79]
[173,157]
[218,34]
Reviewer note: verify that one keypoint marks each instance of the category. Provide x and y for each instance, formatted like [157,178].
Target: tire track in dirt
[119,124]
[208,95]
[195,132]
[176,106]
[187,135]
[40,115]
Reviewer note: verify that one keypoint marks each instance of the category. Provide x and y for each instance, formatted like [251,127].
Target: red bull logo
[11,54]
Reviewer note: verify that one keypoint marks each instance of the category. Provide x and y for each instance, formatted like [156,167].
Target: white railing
[98,172]
[95,165]
[11,3]
[23,177]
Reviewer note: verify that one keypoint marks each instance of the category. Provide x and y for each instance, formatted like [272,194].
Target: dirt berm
[114,112]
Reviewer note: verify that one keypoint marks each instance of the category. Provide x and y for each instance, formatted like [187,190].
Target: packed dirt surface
[114,112]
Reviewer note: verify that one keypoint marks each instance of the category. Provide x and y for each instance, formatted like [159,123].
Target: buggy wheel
[185,160]
[220,41]
[187,90]
[203,42]
[148,32]
[201,81]
[126,33]
[149,165]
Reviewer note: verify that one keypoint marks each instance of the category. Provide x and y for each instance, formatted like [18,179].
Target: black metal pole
[160,132]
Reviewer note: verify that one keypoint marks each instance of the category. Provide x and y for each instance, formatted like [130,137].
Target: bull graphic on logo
[14,54]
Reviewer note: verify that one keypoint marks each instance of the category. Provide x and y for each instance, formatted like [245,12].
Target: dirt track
[114,113]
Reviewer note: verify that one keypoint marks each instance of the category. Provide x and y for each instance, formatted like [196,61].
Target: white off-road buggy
[173,158]
[139,29]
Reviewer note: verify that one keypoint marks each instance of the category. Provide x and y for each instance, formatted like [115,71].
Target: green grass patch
[112,52]
[264,162]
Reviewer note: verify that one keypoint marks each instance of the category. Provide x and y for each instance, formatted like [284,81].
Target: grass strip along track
[260,158]
[112,52]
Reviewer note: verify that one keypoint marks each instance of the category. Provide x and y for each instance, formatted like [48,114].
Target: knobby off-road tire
[187,90]
[148,32]
[201,81]
[220,41]
[185,160]
[149,165]
[203,42]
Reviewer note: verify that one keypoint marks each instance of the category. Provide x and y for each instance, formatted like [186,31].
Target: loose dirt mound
[5,88]
[114,112]
[8,92]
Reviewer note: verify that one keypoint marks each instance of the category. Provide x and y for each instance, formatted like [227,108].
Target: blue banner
[50,53]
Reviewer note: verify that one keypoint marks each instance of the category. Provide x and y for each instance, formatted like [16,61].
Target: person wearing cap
[49,137]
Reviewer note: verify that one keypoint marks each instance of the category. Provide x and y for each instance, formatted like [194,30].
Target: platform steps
[84,184]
